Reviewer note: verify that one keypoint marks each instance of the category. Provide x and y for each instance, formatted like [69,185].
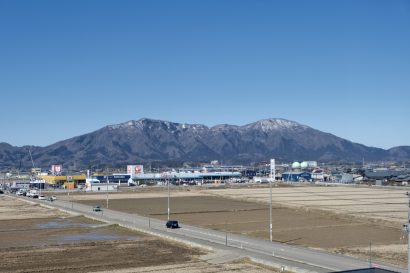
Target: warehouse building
[296,176]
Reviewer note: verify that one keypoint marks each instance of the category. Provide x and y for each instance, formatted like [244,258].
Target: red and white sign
[135,169]
[56,169]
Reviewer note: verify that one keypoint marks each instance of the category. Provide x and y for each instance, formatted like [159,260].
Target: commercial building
[296,176]
[95,185]
[60,180]
[115,178]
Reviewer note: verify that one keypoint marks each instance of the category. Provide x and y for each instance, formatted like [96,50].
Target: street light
[272,177]
[167,181]
[168,198]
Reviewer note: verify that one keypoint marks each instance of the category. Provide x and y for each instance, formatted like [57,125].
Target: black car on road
[172,224]
[97,208]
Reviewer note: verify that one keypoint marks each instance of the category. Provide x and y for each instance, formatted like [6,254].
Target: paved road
[296,258]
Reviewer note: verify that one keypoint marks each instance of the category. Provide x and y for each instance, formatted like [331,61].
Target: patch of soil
[313,228]
[94,256]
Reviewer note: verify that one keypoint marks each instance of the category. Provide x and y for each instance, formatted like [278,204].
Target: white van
[20,192]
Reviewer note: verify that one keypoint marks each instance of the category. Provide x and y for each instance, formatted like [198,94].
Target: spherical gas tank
[295,165]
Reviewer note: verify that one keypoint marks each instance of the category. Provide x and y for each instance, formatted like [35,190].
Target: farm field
[380,204]
[142,193]
[47,240]
[336,227]
[377,208]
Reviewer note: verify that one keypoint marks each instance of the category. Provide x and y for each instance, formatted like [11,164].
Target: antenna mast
[32,162]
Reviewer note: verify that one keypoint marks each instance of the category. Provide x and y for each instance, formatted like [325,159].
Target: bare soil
[11,208]
[379,204]
[293,225]
[63,243]
[198,267]
[94,256]
[81,245]
[298,226]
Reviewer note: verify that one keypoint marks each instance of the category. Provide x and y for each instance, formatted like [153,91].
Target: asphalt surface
[292,258]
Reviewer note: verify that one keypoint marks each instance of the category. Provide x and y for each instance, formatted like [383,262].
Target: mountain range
[148,140]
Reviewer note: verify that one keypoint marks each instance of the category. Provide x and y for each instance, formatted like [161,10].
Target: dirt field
[303,227]
[139,193]
[65,243]
[375,203]
[13,209]
[315,223]
[384,209]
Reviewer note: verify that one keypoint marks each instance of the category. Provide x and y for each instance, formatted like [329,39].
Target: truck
[33,193]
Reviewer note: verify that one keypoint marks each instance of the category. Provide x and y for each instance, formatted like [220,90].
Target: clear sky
[71,67]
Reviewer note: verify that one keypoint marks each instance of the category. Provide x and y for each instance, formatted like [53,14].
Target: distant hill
[146,140]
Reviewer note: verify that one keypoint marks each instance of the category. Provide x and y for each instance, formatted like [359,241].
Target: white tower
[272,169]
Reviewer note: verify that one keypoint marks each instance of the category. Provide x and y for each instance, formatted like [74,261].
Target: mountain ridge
[146,140]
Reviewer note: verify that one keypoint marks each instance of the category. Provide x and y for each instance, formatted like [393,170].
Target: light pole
[272,177]
[270,210]
[107,191]
[168,196]
[68,189]
[39,186]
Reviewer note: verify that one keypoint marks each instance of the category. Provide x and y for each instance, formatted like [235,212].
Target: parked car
[172,224]
[97,208]
[33,194]
[41,197]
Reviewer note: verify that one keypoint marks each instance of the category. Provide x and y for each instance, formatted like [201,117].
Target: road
[294,258]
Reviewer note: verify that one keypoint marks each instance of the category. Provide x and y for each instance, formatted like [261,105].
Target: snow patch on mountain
[273,124]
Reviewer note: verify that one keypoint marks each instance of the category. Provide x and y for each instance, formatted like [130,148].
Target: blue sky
[71,67]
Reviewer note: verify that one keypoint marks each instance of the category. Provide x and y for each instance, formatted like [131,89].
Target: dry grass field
[372,203]
[378,209]
[37,239]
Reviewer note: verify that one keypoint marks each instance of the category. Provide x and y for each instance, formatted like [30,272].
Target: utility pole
[107,190]
[68,188]
[270,210]
[168,194]
[272,177]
